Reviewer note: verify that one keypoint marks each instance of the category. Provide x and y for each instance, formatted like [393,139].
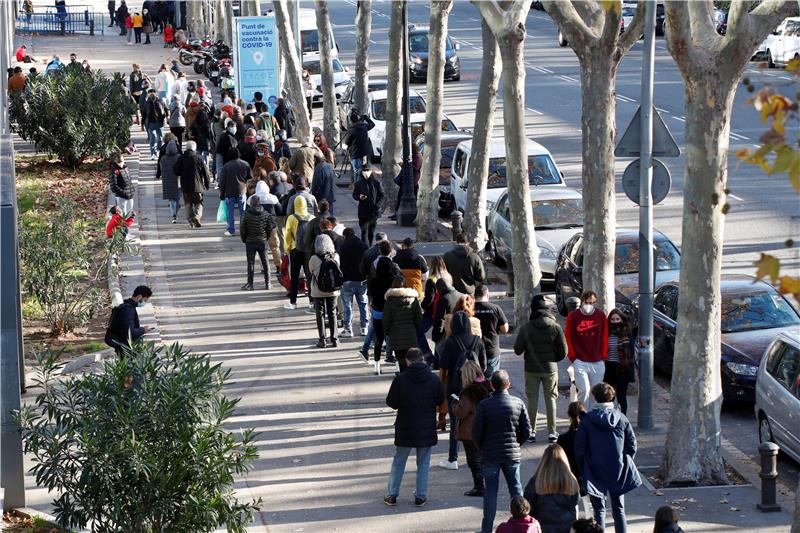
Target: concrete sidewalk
[326,434]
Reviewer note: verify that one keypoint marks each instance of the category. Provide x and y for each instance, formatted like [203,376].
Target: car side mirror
[776,33]
[458,46]
[347,69]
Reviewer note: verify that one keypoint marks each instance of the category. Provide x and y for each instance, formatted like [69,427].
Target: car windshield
[541,171]
[313,67]
[418,42]
[416,105]
[447,156]
[792,28]
[665,257]
[628,11]
[756,310]
[557,213]
[418,128]
[310,40]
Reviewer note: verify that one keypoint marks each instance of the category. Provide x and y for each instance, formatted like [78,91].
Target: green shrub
[139,447]
[55,264]
[73,115]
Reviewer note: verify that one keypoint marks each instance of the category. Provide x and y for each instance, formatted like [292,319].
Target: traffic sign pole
[644,341]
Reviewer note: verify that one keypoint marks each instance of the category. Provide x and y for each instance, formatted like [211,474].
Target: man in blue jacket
[501,426]
[604,448]
[124,326]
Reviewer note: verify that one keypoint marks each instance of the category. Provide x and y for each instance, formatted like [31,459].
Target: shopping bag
[222,212]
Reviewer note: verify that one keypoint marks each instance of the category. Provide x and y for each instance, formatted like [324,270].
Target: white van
[783,44]
[309,36]
[542,170]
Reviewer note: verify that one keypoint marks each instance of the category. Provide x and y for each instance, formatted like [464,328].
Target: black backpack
[110,339]
[330,278]
[301,230]
[467,353]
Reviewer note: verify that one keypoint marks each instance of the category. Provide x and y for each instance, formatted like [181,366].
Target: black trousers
[474,463]
[251,249]
[178,132]
[297,260]
[368,230]
[619,382]
[400,355]
[325,309]
[377,324]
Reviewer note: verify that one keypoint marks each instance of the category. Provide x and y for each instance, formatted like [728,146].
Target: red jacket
[519,525]
[587,336]
[169,35]
[117,221]
[21,54]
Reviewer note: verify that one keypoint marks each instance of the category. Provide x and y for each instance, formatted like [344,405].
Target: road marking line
[351,32]
[372,42]
[625,99]
[680,118]
[473,20]
[568,79]
[739,137]
[545,70]
[535,112]
[735,197]
[662,110]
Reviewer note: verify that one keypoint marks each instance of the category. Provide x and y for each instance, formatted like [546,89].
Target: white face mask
[587,309]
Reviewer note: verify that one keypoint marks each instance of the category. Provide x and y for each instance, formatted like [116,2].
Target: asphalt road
[765,211]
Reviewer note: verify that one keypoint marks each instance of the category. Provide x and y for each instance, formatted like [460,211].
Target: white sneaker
[447,465]
[289,305]
[228,234]
[152,157]
[346,334]
[364,332]
[377,368]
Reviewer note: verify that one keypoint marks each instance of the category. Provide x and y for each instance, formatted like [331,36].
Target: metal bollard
[768,475]
[456,217]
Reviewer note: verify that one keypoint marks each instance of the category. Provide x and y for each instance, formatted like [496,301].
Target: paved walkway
[326,435]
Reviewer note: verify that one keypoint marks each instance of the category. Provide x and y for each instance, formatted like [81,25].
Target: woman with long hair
[621,363]
[667,521]
[436,270]
[553,492]
[476,389]
[467,304]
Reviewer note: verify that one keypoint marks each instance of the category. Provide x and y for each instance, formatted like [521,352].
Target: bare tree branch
[610,33]
[571,24]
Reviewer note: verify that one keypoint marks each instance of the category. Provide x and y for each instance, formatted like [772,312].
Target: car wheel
[764,430]
[770,62]
[562,41]
[457,77]
[561,305]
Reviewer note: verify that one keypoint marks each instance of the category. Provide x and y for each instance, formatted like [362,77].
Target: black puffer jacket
[466,268]
[119,181]
[554,512]
[383,274]
[402,316]
[501,426]
[372,206]
[351,251]
[446,304]
[416,393]
[256,225]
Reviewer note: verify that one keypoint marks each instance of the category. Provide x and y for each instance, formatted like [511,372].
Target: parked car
[721,21]
[569,268]
[783,44]
[450,140]
[753,312]
[418,55]
[557,216]
[341,79]
[660,18]
[377,112]
[778,394]
[347,102]
[309,36]
[542,170]
[628,12]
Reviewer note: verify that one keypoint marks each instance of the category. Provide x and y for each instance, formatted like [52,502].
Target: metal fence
[63,23]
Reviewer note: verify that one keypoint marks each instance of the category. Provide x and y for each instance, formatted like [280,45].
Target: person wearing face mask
[225,143]
[621,363]
[123,326]
[247,147]
[587,338]
[263,160]
[120,185]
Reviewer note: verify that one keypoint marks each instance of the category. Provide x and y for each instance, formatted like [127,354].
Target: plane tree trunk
[363,31]
[294,85]
[330,111]
[392,143]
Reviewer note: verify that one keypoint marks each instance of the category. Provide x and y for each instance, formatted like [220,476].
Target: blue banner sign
[256,61]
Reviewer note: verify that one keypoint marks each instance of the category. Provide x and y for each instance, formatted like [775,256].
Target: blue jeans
[351,289]
[174,205]
[231,205]
[492,365]
[399,467]
[617,511]
[218,166]
[422,340]
[356,169]
[491,476]
[154,137]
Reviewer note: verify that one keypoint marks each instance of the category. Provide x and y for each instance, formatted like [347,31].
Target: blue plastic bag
[222,212]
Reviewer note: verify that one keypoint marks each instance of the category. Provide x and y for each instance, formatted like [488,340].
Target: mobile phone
[454,397]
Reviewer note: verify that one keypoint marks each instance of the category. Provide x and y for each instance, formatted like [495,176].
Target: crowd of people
[418,316]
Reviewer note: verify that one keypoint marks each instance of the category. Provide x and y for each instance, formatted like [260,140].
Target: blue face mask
[141,303]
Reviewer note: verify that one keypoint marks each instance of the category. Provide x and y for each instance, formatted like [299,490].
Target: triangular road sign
[630,144]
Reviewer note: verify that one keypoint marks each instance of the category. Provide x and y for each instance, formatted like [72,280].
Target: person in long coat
[170,188]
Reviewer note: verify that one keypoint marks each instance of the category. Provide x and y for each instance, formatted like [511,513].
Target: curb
[86,360]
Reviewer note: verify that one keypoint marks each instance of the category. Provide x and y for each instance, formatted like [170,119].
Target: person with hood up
[521,521]
[553,492]
[446,302]
[543,344]
[475,389]
[170,187]
[247,147]
[369,195]
[263,160]
[402,316]
[296,226]
[195,179]
[323,186]
[460,347]
[324,302]
[465,266]
[302,161]
[501,426]
[413,266]
[415,394]
[256,225]
[382,275]
[121,185]
[605,446]
[357,141]
[177,120]
[269,201]
[283,115]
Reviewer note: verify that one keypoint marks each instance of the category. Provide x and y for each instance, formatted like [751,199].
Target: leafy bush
[74,115]
[55,264]
[139,447]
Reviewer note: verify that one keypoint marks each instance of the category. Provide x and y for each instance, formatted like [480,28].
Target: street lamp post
[407,210]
